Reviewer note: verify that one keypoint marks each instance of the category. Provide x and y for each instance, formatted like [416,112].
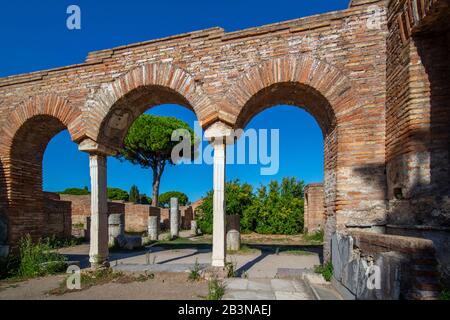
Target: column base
[220,263]
[97,263]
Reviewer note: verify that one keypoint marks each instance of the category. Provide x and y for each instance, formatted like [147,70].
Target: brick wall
[136,215]
[330,64]
[58,219]
[379,95]
[418,115]
[314,213]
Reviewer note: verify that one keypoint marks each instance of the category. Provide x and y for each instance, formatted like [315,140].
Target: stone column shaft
[219,242]
[174,218]
[98,254]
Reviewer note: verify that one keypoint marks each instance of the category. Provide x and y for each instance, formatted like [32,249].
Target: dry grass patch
[100,277]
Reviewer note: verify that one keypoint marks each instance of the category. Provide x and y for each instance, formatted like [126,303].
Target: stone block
[391,272]
[133,242]
[153,228]
[335,256]
[233,240]
[194,227]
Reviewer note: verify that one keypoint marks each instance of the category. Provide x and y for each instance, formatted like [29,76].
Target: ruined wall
[417,121]
[136,215]
[58,218]
[418,117]
[333,62]
[314,212]
[406,267]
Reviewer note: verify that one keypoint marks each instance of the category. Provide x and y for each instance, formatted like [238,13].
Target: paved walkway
[272,273]
[267,289]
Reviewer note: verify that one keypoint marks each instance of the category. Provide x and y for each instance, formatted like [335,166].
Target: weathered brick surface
[58,218]
[418,113]
[136,215]
[314,213]
[379,95]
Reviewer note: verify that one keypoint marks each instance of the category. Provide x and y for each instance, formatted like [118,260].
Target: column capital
[93,147]
[218,130]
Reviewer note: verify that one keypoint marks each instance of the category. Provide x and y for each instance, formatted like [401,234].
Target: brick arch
[24,138]
[139,89]
[322,90]
[50,106]
[312,76]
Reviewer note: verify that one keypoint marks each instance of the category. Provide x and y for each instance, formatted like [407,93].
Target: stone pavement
[266,275]
[267,289]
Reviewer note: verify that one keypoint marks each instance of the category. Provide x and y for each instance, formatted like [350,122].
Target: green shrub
[76,191]
[239,197]
[134,194]
[164,198]
[276,209]
[117,194]
[37,259]
[53,242]
[143,199]
[326,270]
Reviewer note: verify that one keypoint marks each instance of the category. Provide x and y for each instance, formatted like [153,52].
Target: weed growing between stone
[216,289]
[326,270]
[230,267]
[35,259]
[194,275]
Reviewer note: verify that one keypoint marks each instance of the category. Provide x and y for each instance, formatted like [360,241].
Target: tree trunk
[155,192]
[157,173]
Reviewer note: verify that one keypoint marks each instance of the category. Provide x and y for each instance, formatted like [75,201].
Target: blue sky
[34,37]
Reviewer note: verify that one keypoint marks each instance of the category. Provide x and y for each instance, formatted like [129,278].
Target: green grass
[184,241]
[245,249]
[54,242]
[216,289]
[326,270]
[316,236]
[296,252]
[35,259]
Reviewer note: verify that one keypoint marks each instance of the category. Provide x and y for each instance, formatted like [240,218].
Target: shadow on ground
[265,250]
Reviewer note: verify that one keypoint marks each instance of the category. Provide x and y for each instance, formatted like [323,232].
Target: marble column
[219,134]
[174,218]
[219,242]
[153,227]
[98,254]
